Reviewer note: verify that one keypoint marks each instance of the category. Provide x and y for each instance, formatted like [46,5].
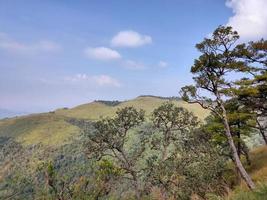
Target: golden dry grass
[96,110]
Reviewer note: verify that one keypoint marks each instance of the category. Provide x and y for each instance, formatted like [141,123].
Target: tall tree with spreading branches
[182,160]
[213,85]
[172,123]
[109,141]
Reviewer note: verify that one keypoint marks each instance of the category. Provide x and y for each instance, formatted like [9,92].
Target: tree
[109,141]
[253,91]
[241,122]
[212,70]
[182,162]
[172,123]
[106,175]
[58,188]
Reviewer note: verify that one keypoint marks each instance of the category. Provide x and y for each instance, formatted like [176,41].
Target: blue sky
[64,53]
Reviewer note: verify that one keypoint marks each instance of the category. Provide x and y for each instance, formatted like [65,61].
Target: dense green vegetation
[151,147]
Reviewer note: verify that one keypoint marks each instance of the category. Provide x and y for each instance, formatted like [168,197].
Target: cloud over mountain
[102,80]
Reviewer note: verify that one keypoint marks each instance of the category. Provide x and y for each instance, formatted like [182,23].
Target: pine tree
[253,90]
[213,86]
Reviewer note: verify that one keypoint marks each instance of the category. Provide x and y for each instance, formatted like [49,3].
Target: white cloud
[133,65]
[11,45]
[250,18]
[99,80]
[130,38]
[162,64]
[47,45]
[105,80]
[77,77]
[102,53]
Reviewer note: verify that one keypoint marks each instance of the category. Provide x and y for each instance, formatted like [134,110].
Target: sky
[62,53]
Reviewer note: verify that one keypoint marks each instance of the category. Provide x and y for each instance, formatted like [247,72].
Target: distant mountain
[4,113]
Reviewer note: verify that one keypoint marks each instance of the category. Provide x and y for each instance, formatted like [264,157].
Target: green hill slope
[258,172]
[52,128]
[95,110]
[47,128]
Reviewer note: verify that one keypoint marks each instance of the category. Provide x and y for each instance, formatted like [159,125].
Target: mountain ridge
[6,113]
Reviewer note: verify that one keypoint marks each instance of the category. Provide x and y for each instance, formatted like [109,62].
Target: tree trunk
[247,157]
[238,144]
[237,161]
[262,132]
[239,155]
[164,153]
[136,187]
[263,136]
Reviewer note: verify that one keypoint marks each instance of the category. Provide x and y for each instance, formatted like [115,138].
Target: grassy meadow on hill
[97,109]
[53,129]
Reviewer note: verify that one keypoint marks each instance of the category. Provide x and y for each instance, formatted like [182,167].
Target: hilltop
[4,113]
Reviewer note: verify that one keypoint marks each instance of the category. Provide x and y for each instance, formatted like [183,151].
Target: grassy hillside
[258,168]
[47,128]
[258,172]
[52,128]
[95,110]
